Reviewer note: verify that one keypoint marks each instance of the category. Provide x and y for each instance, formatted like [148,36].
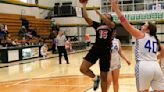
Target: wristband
[122,19]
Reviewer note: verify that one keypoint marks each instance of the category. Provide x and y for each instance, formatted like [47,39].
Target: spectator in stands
[3,31]
[25,22]
[8,40]
[5,27]
[33,32]
[54,26]
[23,33]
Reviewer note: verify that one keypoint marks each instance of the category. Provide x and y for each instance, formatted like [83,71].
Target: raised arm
[85,15]
[105,19]
[123,55]
[132,30]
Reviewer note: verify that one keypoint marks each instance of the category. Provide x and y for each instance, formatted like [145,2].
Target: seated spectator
[8,40]
[2,35]
[34,33]
[3,31]
[44,51]
[23,33]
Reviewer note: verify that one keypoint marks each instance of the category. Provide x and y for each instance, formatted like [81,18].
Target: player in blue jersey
[147,70]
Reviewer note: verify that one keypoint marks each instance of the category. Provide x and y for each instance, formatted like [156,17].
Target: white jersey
[146,48]
[115,57]
[147,70]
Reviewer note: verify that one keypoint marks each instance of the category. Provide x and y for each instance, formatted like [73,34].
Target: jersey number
[103,34]
[151,46]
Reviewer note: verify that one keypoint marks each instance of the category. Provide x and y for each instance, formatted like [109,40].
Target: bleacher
[13,23]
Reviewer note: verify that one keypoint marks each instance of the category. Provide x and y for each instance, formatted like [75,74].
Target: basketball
[83,1]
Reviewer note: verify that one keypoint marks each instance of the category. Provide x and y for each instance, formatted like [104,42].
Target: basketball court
[23,70]
[38,75]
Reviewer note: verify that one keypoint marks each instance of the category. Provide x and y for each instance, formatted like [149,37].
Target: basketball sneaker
[96,83]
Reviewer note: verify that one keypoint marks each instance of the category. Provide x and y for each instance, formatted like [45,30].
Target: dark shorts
[103,55]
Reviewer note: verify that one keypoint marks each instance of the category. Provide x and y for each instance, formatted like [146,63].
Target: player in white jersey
[113,74]
[148,72]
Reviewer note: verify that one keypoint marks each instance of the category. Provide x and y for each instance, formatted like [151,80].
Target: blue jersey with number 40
[146,48]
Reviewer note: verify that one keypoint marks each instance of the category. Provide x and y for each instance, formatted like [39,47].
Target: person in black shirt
[25,22]
[100,50]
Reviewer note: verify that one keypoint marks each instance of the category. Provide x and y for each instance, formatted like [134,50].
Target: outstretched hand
[114,4]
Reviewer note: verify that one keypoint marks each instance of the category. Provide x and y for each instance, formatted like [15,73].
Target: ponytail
[158,43]
[153,30]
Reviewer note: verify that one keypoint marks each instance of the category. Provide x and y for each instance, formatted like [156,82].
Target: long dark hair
[110,18]
[153,30]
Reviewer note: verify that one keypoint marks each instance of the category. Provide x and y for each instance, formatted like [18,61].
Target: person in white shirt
[60,40]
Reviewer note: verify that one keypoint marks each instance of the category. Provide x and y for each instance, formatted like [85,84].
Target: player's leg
[85,68]
[89,60]
[60,53]
[65,55]
[104,69]
[103,76]
[109,79]
[115,77]
[144,76]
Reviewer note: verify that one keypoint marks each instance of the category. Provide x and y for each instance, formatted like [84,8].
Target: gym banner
[142,15]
